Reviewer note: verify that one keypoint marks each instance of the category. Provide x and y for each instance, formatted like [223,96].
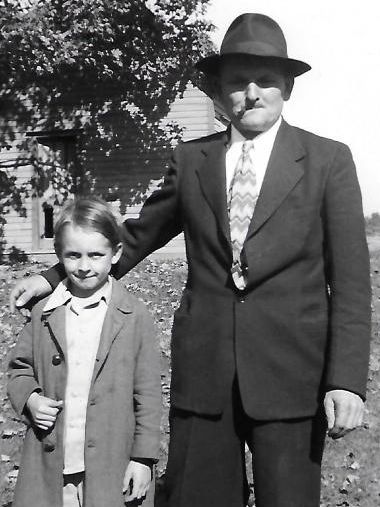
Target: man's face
[252,93]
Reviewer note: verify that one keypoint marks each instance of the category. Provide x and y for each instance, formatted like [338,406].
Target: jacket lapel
[114,320]
[212,177]
[282,174]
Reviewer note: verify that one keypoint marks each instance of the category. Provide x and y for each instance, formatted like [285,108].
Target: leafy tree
[373,223]
[375,219]
[127,56]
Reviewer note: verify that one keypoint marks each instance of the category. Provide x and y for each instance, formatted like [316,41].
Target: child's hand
[137,478]
[43,410]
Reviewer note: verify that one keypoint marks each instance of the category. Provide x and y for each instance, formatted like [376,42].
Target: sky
[340,97]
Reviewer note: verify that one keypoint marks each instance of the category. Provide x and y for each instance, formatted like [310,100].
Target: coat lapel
[282,174]
[56,321]
[114,320]
[212,177]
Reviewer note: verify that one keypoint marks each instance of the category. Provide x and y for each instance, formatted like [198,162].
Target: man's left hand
[344,412]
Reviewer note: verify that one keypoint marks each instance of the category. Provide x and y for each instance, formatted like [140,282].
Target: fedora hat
[258,36]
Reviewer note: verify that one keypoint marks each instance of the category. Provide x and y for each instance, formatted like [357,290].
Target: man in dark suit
[271,340]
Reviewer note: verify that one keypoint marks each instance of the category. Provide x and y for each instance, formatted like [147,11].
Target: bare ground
[351,469]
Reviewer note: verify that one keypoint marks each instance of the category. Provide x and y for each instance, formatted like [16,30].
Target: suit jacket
[303,323]
[123,411]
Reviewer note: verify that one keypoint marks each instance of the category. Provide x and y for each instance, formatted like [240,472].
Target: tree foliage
[127,56]
[373,223]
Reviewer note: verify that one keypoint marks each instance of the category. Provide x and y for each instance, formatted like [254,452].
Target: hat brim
[211,64]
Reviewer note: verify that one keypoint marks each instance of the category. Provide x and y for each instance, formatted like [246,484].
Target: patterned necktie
[242,197]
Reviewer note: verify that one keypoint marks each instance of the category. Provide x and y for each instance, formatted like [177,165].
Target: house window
[59,178]
[48,220]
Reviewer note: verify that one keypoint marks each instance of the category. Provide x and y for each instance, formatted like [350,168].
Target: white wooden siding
[193,112]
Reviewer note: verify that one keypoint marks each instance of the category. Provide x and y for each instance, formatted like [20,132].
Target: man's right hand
[34,286]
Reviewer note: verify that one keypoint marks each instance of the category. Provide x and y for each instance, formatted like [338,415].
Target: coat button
[49,447]
[56,360]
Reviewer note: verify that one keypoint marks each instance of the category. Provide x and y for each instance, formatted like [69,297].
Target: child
[85,377]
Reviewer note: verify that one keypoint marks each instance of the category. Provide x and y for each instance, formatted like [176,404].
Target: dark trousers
[206,464]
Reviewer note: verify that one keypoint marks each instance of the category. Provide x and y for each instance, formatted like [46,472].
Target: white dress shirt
[84,322]
[262,149]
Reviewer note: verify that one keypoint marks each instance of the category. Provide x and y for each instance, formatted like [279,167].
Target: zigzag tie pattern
[242,197]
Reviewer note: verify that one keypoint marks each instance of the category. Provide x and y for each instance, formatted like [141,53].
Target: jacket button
[56,360]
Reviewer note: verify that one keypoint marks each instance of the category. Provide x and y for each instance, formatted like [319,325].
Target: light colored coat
[123,411]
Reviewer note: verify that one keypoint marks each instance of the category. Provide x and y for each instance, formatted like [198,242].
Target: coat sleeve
[159,222]
[22,381]
[348,276]
[147,391]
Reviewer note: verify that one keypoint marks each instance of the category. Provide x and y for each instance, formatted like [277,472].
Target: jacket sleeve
[147,391]
[159,222]
[348,276]
[22,382]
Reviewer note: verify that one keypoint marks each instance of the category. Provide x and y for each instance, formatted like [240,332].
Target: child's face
[87,257]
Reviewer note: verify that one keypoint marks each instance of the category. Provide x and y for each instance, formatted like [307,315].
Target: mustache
[240,109]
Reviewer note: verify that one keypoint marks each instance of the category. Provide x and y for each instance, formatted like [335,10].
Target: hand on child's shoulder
[27,289]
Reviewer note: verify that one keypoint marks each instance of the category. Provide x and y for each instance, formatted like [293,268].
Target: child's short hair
[90,213]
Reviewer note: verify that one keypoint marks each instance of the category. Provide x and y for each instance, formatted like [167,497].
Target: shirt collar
[261,140]
[62,295]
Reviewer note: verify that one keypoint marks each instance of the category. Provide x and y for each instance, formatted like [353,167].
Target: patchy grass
[351,471]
